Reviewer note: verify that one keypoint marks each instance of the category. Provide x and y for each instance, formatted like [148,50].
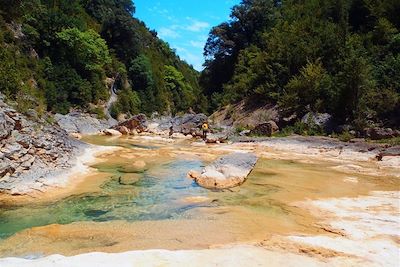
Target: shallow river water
[139,197]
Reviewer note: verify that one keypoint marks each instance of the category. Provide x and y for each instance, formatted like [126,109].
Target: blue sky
[184,24]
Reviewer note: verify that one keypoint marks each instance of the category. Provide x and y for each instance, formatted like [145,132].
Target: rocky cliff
[32,152]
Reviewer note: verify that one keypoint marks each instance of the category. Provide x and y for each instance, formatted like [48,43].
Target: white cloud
[197,26]
[197,44]
[162,12]
[168,33]
[195,60]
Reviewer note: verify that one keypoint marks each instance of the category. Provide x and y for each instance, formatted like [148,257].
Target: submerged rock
[129,179]
[227,171]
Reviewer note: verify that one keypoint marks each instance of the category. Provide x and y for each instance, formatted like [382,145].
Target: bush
[240,128]
[346,136]
[115,110]
[99,111]
[301,129]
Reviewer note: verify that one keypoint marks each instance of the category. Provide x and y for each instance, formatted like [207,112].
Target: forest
[340,57]
[335,56]
[56,55]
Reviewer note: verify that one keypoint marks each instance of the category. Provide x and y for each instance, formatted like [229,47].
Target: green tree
[353,80]
[312,88]
[180,92]
[85,49]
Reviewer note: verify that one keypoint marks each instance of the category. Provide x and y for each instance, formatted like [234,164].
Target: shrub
[346,136]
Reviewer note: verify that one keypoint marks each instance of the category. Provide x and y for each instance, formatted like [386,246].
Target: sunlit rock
[227,171]
[112,132]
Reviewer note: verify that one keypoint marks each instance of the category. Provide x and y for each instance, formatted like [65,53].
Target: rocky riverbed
[312,201]
[303,203]
[32,152]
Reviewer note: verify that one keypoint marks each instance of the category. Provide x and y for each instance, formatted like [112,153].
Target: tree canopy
[69,48]
[340,57]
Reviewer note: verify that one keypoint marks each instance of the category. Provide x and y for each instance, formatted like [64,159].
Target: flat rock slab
[226,172]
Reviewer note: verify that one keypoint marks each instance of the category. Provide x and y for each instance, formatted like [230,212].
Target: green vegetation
[56,55]
[346,136]
[340,57]
[395,141]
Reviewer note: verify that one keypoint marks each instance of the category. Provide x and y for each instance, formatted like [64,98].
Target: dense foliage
[340,57]
[56,55]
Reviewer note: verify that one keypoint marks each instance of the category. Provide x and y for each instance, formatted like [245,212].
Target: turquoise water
[151,198]
[162,187]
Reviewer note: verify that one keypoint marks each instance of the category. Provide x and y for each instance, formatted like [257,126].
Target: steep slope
[336,57]
[56,55]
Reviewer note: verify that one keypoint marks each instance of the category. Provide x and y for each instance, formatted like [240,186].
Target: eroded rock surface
[76,122]
[31,151]
[265,129]
[227,171]
[322,120]
[137,123]
[381,133]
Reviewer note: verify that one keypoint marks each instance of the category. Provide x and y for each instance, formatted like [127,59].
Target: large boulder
[123,130]
[112,132]
[321,120]
[129,179]
[265,129]
[226,172]
[216,138]
[377,133]
[188,123]
[76,122]
[137,122]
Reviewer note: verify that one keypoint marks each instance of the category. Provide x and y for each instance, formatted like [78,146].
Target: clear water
[163,185]
[151,198]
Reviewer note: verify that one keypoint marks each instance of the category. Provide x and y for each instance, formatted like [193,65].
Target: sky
[184,24]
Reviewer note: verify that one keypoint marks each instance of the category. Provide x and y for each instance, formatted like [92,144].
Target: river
[138,197]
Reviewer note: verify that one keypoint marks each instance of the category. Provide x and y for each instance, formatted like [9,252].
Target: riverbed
[138,197]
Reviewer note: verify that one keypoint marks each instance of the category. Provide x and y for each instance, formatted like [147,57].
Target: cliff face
[31,151]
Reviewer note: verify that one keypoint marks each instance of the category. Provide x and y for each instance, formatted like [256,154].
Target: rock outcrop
[112,132]
[244,114]
[265,129]
[377,133]
[81,123]
[137,123]
[182,126]
[187,124]
[30,151]
[226,172]
[321,120]
[216,138]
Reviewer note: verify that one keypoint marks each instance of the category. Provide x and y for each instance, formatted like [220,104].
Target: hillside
[56,55]
[335,57]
